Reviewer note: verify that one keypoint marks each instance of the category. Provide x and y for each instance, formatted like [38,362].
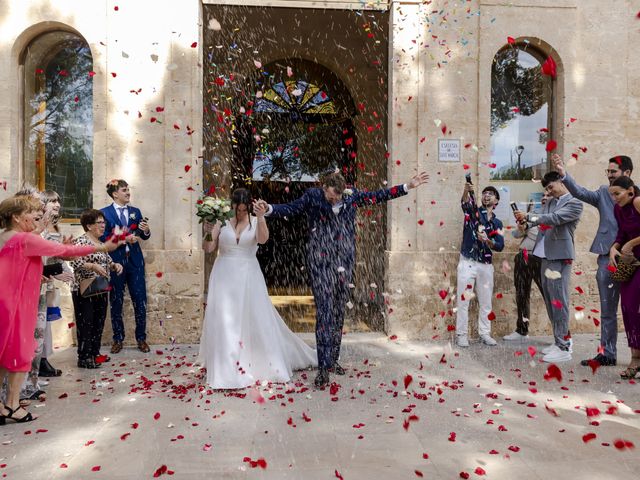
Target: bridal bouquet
[212,210]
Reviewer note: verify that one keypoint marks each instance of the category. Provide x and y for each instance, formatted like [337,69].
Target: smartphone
[514,206]
[468,178]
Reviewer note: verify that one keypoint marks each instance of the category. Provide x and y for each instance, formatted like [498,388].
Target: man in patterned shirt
[481,234]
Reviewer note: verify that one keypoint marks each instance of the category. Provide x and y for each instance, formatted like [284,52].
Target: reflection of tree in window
[520,115]
[59,118]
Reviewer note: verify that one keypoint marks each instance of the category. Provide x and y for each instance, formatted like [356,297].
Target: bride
[244,339]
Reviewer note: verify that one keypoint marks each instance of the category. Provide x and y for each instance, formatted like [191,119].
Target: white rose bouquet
[212,210]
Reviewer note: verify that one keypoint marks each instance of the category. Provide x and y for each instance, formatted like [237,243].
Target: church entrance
[282,106]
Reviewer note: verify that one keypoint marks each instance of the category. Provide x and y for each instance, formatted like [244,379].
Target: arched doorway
[301,126]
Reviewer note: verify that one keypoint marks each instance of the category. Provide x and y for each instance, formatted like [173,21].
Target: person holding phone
[525,270]
[120,214]
[481,235]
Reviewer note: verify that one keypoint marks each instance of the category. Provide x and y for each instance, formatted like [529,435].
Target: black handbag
[97,285]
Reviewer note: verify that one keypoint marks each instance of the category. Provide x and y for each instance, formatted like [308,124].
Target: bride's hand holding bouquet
[214,213]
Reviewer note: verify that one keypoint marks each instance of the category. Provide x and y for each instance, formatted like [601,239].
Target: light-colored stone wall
[150,156]
[439,74]
[597,85]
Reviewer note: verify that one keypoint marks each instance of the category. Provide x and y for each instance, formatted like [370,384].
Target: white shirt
[119,209]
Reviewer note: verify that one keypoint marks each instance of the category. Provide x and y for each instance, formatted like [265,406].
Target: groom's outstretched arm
[386,194]
[290,209]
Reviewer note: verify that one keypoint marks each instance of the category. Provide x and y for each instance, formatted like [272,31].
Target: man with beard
[608,290]
[482,233]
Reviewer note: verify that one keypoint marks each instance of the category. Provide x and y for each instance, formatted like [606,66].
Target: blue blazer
[112,221]
[332,236]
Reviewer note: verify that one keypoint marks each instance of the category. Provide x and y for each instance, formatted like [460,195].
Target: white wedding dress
[244,339]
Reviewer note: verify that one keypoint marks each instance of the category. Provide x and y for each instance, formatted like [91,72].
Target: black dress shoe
[116,347]
[322,378]
[143,347]
[603,360]
[87,363]
[47,370]
[337,369]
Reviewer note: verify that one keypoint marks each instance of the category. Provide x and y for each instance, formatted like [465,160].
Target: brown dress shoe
[143,347]
[116,347]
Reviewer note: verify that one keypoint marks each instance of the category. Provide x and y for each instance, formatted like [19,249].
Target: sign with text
[448,150]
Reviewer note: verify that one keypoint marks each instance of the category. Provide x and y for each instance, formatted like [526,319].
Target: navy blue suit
[132,274]
[331,253]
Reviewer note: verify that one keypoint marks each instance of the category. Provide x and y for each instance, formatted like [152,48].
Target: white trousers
[479,275]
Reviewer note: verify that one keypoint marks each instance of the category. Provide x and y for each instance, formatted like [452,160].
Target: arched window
[58,118]
[521,113]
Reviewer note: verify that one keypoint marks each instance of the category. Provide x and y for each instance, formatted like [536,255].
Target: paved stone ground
[482,408]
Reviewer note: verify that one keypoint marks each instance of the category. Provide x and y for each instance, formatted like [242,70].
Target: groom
[331,212]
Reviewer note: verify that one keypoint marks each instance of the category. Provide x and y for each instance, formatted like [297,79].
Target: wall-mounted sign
[448,150]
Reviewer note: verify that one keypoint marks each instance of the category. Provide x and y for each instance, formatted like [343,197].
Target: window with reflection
[58,118]
[521,114]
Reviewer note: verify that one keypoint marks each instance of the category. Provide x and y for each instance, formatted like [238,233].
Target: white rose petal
[552,274]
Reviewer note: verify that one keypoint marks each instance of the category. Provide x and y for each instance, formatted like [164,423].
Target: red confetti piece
[491,316]
[124,436]
[514,448]
[556,303]
[64,395]
[425,456]
[418,473]
[551,145]
[498,295]
[621,444]
[480,471]
[39,71]
[407,381]
[549,67]
[159,275]
[511,40]
[451,328]
[156,416]
[553,371]
[96,468]
[592,412]
[464,475]
[194,44]
[71,324]
[420,222]
[443,294]
[64,465]
[116,8]
[452,437]
[586,438]
[160,471]
[261,462]
[492,165]
[114,74]
[337,474]
[134,425]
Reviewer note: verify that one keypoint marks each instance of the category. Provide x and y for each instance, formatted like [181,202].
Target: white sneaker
[548,348]
[515,337]
[557,355]
[487,340]
[462,341]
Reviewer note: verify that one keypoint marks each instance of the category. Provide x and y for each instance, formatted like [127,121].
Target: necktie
[123,219]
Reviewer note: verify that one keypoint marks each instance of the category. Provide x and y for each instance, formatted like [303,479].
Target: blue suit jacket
[112,221]
[601,199]
[332,237]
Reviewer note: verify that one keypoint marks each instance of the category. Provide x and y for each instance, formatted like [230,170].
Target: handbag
[97,285]
[627,265]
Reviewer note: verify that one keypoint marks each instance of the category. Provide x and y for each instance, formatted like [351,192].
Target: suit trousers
[609,291]
[480,275]
[556,299]
[524,272]
[91,313]
[133,277]
[330,292]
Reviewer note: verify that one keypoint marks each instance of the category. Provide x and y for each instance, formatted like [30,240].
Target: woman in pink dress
[21,255]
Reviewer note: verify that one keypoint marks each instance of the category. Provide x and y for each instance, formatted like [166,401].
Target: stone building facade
[174,83]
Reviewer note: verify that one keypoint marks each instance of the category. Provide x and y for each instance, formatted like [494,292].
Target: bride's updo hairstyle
[241,196]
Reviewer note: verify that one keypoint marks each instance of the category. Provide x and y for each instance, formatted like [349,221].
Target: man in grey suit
[555,247]
[607,229]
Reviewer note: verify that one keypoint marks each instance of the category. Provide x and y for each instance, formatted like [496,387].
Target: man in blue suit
[331,212]
[605,237]
[121,214]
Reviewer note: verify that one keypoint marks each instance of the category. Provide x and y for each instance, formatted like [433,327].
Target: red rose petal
[588,437]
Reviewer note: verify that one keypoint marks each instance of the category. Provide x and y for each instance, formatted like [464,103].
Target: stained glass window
[295,96]
[58,118]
